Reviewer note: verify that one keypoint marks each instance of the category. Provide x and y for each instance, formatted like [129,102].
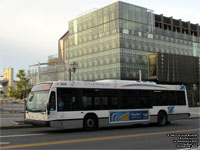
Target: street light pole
[72,68]
[70,72]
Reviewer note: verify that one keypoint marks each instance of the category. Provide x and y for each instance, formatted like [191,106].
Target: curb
[193,117]
[19,124]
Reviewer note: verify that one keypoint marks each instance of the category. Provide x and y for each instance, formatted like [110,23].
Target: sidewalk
[194,112]
[17,120]
[12,121]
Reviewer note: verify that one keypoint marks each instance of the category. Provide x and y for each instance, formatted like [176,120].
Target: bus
[104,103]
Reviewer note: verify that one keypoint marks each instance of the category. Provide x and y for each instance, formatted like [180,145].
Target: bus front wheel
[90,123]
[162,118]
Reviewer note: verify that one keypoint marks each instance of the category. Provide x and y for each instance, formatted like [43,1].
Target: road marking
[4,143]
[12,118]
[6,136]
[95,139]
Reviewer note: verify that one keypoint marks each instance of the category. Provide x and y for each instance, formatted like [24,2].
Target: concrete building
[114,42]
[8,74]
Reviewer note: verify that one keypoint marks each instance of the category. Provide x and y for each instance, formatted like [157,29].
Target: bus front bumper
[37,122]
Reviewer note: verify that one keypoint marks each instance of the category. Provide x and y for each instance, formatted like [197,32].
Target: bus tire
[162,118]
[90,123]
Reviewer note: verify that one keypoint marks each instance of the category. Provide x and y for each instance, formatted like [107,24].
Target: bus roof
[118,84]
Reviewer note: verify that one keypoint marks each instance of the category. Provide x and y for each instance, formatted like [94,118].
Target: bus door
[52,106]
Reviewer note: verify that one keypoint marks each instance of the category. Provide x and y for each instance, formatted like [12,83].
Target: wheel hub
[90,123]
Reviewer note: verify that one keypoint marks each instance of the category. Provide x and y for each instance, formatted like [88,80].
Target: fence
[12,107]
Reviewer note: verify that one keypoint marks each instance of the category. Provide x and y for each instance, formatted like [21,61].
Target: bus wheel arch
[162,118]
[90,122]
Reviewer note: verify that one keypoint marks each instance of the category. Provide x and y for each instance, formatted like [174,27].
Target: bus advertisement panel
[128,116]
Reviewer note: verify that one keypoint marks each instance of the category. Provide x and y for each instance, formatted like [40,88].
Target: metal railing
[53,56]
[12,108]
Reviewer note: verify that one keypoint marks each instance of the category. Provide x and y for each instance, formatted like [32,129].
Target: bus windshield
[37,101]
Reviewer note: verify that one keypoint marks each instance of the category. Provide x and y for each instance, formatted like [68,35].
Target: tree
[11,91]
[22,87]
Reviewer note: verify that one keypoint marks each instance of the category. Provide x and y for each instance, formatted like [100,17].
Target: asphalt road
[178,133]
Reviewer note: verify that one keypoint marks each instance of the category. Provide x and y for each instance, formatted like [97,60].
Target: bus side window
[172,98]
[67,99]
[181,98]
[131,102]
[105,103]
[164,98]
[87,103]
[145,98]
[52,101]
[114,103]
[156,98]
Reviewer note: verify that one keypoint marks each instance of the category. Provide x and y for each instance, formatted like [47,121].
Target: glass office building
[114,42]
[108,43]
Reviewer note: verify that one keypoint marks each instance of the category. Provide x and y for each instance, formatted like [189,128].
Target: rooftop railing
[53,56]
[176,35]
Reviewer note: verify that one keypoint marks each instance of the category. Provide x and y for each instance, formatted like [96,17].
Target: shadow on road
[136,126]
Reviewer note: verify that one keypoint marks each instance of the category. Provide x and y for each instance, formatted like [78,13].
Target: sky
[30,29]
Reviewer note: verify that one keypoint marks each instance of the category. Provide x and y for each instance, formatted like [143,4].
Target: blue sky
[30,29]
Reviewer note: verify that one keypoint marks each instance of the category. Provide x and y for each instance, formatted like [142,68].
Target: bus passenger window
[105,103]
[171,98]
[181,98]
[105,100]
[131,102]
[87,103]
[97,101]
[114,102]
[60,104]
[164,98]
[67,99]
[52,102]
[84,101]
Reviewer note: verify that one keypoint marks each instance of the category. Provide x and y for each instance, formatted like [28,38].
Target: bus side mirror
[48,109]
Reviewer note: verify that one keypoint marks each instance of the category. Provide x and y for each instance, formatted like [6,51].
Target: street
[129,137]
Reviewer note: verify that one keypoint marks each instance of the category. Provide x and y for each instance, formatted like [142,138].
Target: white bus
[90,105]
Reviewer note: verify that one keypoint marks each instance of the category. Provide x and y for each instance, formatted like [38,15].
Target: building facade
[8,74]
[114,42]
[54,69]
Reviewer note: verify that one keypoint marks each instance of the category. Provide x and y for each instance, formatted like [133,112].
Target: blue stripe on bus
[171,109]
[182,88]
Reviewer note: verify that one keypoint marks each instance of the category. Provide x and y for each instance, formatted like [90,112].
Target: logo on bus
[170,109]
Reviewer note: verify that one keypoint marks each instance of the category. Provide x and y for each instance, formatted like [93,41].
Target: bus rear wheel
[162,118]
[90,123]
